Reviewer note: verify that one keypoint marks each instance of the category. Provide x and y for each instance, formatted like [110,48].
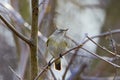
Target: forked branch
[12,28]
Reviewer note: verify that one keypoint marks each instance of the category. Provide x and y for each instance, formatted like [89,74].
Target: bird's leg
[49,63]
[60,55]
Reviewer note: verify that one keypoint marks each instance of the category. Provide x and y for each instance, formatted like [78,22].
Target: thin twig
[103,35]
[72,58]
[15,73]
[115,74]
[43,58]
[44,70]
[72,40]
[101,58]
[77,74]
[14,30]
[69,64]
[97,36]
[113,44]
[112,41]
[48,65]
[53,74]
[103,48]
[41,16]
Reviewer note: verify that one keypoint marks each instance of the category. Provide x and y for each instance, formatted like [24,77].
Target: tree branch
[78,47]
[101,58]
[103,48]
[21,36]
[41,16]
[103,34]
[34,40]
[69,64]
[49,64]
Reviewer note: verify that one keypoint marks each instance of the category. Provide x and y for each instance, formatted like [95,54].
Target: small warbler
[56,44]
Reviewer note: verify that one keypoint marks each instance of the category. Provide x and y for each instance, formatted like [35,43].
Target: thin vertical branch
[34,40]
[69,64]
[113,45]
[72,58]
[43,10]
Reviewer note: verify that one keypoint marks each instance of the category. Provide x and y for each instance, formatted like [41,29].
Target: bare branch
[52,74]
[34,40]
[103,34]
[14,30]
[69,64]
[15,73]
[103,48]
[101,58]
[113,45]
[43,11]
[44,69]
[48,65]
[80,46]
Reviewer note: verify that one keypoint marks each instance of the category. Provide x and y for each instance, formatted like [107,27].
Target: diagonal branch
[101,58]
[78,47]
[116,31]
[11,27]
[18,76]
[49,64]
[103,48]
[69,64]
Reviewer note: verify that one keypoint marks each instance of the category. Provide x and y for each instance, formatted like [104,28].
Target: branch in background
[115,65]
[77,74]
[45,62]
[72,58]
[15,73]
[113,43]
[43,10]
[53,74]
[78,47]
[69,64]
[101,58]
[103,34]
[103,48]
[114,49]
[14,30]
[49,64]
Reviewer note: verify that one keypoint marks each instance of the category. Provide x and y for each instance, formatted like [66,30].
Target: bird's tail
[58,65]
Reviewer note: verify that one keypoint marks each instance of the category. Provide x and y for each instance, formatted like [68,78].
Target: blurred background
[80,16]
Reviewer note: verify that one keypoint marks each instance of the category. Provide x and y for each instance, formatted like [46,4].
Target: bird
[56,45]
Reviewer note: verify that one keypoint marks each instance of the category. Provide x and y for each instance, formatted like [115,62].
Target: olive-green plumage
[56,44]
